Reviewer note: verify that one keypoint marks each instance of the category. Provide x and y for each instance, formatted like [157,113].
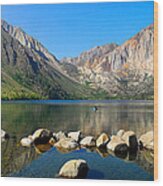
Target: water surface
[21,118]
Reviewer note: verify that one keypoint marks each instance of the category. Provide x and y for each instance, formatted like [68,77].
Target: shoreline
[77,101]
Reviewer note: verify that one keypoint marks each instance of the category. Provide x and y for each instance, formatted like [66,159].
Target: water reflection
[14,157]
[20,120]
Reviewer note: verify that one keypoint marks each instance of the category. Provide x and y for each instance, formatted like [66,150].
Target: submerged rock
[75,135]
[102,140]
[66,143]
[76,168]
[147,140]
[131,140]
[88,141]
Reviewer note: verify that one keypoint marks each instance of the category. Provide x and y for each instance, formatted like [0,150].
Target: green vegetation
[11,90]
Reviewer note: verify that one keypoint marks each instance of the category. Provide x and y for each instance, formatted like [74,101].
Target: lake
[21,118]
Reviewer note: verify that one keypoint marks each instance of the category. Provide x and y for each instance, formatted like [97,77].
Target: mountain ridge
[27,40]
[130,63]
[103,72]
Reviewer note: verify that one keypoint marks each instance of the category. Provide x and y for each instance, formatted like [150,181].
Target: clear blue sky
[69,29]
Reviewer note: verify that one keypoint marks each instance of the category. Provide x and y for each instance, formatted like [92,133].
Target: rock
[131,140]
[102,140]
[147,140]
[66,143]
[26,142]
[52,141]
[4,135]
[88,141]
[150,146]
[42,136]
[76,168]
[75,135]
[114,142]
[59,135]
[120,132]
[41,133]
[121,150]
[30,137]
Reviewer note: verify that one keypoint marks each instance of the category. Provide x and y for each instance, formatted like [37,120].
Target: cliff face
[29,42]
[125,70]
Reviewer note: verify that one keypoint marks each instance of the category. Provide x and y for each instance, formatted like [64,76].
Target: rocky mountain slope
[29,71]
[124,71]
[29,42]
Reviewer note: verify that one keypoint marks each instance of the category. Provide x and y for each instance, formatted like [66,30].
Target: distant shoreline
[76,101]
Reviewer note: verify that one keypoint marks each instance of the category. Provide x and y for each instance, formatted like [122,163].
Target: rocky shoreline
[121,144]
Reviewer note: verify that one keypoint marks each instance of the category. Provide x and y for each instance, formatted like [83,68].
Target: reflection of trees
[25,118]
[146,161]
[15,157]
[111,119]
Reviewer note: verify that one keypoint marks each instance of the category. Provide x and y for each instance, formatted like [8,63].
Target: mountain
[124,71]
[29,42]
[90,57]
[29,71]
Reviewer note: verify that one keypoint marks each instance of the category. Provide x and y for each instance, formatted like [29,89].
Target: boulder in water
[120,132]
[75,135]
[88,141]
[42,136]
[114,142]
[76,168]
[131,140]
[147,140]
[26,142]
[102,140]
[4,135]
[66,143]
[59,135]
[121,150]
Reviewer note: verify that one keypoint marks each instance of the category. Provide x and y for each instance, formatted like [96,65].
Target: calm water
[23,117]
